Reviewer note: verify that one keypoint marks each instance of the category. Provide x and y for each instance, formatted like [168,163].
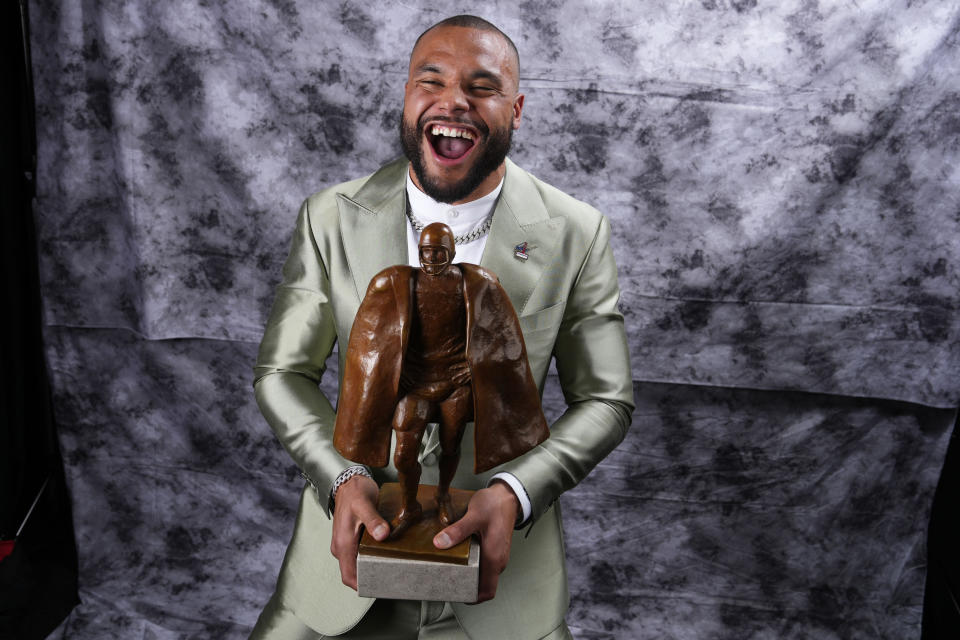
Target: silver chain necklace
[477,233]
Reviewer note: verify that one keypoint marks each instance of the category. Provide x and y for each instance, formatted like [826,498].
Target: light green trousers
[386,620]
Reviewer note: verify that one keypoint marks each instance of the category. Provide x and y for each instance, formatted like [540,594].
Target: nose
[453,99]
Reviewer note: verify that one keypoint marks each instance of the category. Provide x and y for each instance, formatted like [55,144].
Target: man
[437,344]
[553,258]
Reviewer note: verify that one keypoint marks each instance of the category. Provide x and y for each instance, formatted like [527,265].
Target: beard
[491,156]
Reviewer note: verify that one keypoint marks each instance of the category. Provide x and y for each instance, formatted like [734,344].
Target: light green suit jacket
[566,297]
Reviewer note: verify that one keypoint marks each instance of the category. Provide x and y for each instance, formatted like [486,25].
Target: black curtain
[38,580]
[941,598]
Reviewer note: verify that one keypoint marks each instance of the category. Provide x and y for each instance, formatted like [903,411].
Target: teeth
[450,132]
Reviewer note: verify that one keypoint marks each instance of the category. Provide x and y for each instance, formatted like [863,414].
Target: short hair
[472,22]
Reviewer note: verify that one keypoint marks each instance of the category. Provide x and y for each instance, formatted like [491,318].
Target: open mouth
[450,142]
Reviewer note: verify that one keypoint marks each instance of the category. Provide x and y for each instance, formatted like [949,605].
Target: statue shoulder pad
[384,279]
[483,272]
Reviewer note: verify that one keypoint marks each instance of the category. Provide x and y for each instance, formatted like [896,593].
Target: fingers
[348,570]
[495,550]
[460,530]
[346,539]
[371,519]
[491,514]
[493,560]
[355,508]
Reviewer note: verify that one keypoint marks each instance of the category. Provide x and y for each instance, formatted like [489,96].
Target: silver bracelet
[346,474]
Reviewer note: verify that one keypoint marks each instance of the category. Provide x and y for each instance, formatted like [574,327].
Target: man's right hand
[355,507]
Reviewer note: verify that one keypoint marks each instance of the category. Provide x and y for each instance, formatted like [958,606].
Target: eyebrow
[428,68]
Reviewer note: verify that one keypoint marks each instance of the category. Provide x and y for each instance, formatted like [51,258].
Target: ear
[517,110]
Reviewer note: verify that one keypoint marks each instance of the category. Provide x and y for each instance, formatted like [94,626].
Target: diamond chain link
[477,233]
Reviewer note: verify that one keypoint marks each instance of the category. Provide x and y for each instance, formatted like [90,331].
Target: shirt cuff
[521,493]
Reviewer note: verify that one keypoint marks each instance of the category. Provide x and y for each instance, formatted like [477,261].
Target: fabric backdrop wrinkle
[781,186]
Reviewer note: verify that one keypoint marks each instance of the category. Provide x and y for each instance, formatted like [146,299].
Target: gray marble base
[403,579]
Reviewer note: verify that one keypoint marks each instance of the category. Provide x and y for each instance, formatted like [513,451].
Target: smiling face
[460,108]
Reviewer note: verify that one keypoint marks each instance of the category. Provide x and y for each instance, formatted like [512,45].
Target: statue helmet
[438,235]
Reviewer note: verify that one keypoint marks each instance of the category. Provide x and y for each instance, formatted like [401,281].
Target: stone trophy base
[411,568]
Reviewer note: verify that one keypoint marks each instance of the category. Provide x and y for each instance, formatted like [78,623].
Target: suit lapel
[373,224]
[521,217]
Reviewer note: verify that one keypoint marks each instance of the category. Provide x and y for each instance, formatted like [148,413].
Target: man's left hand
[491,513]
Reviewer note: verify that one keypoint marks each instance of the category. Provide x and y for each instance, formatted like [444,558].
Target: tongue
[451,148]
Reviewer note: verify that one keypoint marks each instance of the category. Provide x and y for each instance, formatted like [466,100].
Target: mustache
[426,121]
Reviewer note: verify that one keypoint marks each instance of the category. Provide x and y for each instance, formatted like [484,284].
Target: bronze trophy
[440,344]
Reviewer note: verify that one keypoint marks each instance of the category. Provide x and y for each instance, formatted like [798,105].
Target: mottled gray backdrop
[782,181]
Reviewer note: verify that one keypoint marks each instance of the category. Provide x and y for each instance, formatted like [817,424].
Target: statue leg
[455,412]
[409,421]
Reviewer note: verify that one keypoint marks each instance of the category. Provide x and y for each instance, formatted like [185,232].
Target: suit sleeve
[593,364]
[299,337]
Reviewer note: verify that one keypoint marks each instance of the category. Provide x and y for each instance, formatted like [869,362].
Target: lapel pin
[520,251]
